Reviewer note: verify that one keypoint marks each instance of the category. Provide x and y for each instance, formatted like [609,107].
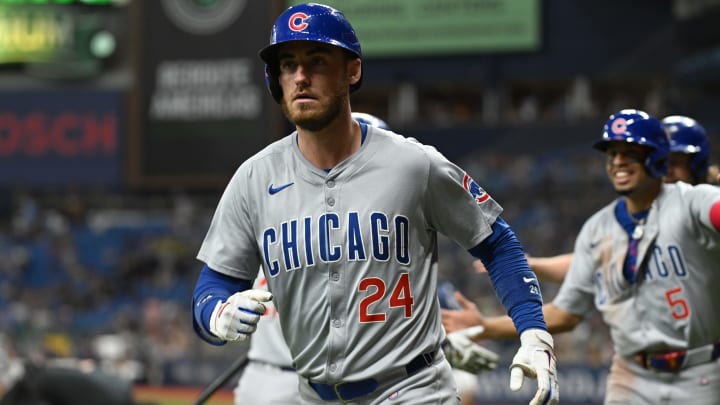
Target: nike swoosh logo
[273,190]
[528,279]
[594,244]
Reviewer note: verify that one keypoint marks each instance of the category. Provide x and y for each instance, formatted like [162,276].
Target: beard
[305,118]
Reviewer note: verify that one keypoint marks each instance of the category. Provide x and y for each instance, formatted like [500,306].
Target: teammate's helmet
[370,119]
[308,22]
[688,136]
[639,127]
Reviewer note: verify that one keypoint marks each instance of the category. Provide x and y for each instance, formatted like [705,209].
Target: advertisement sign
[203,107]
[60,138]
[61,39]
[441,27]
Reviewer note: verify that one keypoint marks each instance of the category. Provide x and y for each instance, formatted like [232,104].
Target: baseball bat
[223,378]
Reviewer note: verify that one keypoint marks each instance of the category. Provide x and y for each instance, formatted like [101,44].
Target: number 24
[400,297]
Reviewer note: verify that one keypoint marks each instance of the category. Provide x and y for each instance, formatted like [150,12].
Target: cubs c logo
[297,21]
[474,189]
[619,126]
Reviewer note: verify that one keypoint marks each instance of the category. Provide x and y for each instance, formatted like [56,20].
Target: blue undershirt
[629,223]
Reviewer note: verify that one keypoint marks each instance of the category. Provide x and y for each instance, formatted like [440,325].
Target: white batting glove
[536,359]
[464,354]
[236,319]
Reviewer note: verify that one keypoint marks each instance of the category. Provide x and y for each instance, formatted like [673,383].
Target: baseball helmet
[308,22]
[370,119]
[639,127]
[688,136]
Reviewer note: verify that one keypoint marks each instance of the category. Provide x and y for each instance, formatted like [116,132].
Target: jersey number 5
[678,306]
[400,297]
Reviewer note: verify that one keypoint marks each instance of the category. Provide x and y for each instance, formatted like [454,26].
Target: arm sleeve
[514,282]
[212,287]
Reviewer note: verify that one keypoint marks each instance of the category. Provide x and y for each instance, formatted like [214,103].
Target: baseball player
[343,218]
[270,378]
[648,262]
[689,150]
[688,161]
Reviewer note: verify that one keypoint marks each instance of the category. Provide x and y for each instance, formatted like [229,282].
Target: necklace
[639,227]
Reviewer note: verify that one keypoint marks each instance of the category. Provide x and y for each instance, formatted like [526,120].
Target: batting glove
[236,319]
[535,359]
[464,354]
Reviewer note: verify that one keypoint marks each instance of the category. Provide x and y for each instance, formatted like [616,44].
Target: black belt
[674,361]
[346,391]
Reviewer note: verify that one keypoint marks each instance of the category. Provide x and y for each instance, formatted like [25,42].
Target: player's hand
[236,319]
[468,315]
[464,354]
[479,266]
[536,359]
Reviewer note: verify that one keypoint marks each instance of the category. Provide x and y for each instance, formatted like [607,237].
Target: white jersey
[348,253]
[675,303]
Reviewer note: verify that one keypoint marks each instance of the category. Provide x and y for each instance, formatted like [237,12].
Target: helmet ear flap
[271,81]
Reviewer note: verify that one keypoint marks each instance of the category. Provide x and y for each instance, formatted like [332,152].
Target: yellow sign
[32,34]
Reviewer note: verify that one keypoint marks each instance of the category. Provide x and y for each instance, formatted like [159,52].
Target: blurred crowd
[100,278]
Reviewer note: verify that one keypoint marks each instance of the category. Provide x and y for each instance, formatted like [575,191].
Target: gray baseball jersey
[349,254]
[676,304]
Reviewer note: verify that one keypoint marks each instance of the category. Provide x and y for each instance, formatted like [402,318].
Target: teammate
[343,218]
[648,262]
[689,157]
[269,376]
[688,161]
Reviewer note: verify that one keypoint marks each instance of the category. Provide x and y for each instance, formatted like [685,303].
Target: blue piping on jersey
[514,282]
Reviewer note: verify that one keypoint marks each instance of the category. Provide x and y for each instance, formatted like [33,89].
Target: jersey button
[336,323]
[335,276]
[333,367]
[331,201]
[330,183]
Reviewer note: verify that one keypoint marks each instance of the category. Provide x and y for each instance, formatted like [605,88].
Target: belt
[346,391]
[677,360]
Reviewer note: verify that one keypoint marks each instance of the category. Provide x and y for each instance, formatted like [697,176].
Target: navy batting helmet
[370,119]
[308,22]
[688,136]
[639,127]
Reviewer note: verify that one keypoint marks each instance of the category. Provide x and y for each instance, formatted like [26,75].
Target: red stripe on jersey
[715,215]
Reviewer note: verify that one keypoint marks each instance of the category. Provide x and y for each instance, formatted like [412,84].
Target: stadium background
[121,121]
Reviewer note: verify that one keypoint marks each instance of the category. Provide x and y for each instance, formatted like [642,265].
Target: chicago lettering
[289,246]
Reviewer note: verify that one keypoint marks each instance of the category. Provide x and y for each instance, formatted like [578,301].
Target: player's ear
[354,70]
